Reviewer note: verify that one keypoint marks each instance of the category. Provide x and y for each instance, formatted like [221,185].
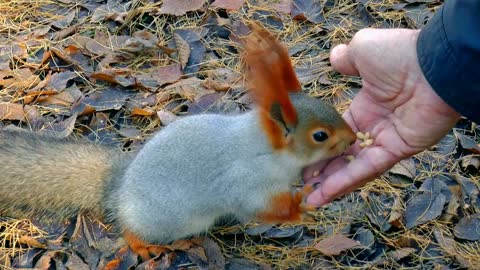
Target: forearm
[449,54]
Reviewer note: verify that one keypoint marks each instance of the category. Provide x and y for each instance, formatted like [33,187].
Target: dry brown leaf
[59,80]
[406,168]
[189,88]
[143,111]
[183,50]
[159,77]
[65,33]
[183,244]
[44,262]
[228,4]
[396,214]
[31,242]
[336,244]
[64,21]
[115,76]
[19,79]
[401,253]
[12,111]
[222,79]
[177,8]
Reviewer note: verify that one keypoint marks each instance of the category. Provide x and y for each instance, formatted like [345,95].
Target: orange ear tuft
[271,77]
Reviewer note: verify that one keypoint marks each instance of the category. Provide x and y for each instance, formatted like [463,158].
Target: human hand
[396,105]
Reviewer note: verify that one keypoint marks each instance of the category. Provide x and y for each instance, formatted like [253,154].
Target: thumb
[341,60]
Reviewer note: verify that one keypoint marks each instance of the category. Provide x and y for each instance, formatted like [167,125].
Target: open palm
[396,105]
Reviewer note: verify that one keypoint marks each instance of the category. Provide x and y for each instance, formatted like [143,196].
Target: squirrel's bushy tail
[48,177]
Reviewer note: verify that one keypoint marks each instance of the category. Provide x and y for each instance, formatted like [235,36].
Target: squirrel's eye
[320,136]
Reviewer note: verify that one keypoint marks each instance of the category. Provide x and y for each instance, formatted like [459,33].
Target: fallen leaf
[452,209]
[178,8]
[159,76]
[21,79]
[231,5]
[130,133]
[143,42]
[396,213]
[283,233]
[191,38]
[64,128]
[447,145]
[11,111]
[406,168]
[116,76]
[113,10]
[378,210]
[365,237]
[336,244]
[222,79]
[25,260]
[449,247]
[311,10]
[423,208]
[108,99]
[435,185]
[31,242]
[74,262]
[183,50]
[468,228]
[214,254]
[312,70]
[213,103]
[59,80]
[401,253]
[467,143]
[65,33]
[470,161]
[417,15]
[145,111]
[44,262]
[64,21]
[258,230]
[284,6]
[189,88]
[166,117]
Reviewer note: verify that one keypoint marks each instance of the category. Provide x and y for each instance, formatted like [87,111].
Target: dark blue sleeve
[448,51]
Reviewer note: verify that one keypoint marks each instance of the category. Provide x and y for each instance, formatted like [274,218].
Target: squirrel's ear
[270,77]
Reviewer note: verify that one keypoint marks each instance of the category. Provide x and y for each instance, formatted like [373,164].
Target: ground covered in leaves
[117,71]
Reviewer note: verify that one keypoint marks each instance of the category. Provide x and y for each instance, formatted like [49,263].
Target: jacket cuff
[443,67]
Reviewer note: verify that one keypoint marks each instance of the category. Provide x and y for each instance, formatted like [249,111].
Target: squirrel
[192,172]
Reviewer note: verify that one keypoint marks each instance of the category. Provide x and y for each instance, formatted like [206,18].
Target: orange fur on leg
[287,207]
[141,248]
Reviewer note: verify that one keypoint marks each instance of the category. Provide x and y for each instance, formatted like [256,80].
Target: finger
[342,61]
[369,163]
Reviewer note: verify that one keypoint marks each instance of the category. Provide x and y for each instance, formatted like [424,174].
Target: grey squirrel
[192,172]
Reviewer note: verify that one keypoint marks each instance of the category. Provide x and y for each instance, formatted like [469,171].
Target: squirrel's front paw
[287,207]
[306,208]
